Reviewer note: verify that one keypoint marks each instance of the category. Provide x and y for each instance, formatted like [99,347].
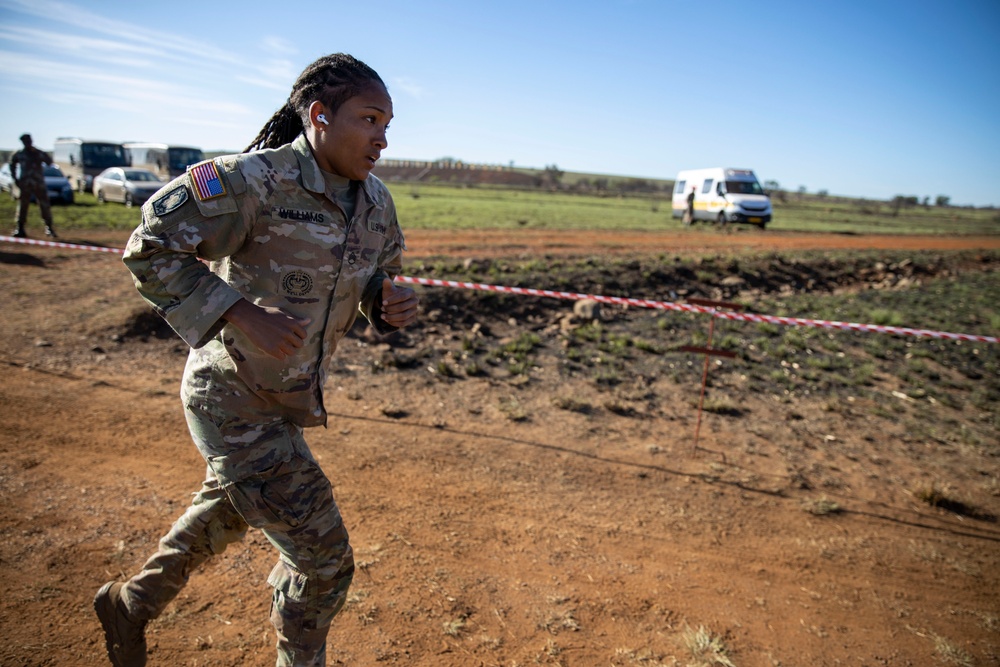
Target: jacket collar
[312,175]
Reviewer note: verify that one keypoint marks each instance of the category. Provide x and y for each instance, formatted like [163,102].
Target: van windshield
[103,155]
[744,188]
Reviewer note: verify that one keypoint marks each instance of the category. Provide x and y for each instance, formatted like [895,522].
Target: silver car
[126,185]
[6,178]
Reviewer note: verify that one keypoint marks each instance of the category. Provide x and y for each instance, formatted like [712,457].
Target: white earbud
[322,119]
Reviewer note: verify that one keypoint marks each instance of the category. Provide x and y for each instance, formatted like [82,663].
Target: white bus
[82,159]
[164,160]
[722,195]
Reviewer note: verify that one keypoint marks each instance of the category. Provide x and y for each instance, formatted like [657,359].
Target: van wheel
[721,219]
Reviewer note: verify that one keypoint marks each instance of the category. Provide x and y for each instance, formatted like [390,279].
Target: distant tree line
[553,178]
[898,202]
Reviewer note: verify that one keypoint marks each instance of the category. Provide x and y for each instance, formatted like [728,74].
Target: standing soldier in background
[31,182]
[689,211]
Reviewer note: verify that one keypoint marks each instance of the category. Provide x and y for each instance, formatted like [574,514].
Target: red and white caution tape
[853,326]
[59,244]
[729,315]
[639,303]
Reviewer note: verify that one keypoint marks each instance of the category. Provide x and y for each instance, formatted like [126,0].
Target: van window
[679,188]
[707,187]
[182,158]
[103,155]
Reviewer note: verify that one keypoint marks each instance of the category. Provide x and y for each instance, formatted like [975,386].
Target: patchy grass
[951,654]
[572,404]
[935,497]
[721,405]
[822,506]
[455,626]
[705,649]
[939,390]
[513,410]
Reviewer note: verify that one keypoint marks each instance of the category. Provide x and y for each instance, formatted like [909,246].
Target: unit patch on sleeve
[206,181]
[170,201]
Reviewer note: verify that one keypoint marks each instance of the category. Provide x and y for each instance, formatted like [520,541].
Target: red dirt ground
[562,539]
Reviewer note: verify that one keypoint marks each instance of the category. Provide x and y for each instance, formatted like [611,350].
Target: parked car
[6,178]
[59,188]
[126,185]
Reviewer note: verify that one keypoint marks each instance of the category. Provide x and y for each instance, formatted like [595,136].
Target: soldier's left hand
[399,304]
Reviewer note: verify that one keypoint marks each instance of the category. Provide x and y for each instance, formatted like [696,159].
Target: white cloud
[67,83]
[408,86]
[278,45]
[121,31]
[198,59]
[72,44]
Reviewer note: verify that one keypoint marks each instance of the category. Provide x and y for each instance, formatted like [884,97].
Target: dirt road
[490,527]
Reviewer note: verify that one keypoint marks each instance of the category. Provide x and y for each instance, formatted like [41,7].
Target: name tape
[639,303]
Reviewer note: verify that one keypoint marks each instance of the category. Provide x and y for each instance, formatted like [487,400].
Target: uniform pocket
[284,495]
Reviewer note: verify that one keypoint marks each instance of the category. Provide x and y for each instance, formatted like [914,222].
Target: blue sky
[868,99]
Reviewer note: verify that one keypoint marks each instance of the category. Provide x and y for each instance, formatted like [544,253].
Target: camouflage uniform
[275,236]
[31,182]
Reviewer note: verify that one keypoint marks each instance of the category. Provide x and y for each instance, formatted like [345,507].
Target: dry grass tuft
[822,506]
[706,649]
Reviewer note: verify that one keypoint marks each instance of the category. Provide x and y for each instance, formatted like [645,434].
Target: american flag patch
[207,183]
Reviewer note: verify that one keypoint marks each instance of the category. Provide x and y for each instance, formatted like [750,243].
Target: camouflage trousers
[41,196]
[262,475]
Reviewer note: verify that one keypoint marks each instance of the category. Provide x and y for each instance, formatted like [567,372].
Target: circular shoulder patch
[297,283]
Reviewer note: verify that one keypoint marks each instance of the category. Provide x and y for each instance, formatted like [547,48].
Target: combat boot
[19,233]
[51,232]
[124,636]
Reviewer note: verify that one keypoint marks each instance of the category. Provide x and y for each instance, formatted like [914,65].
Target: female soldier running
[300,237]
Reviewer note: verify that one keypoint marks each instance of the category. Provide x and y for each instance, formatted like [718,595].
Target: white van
[82,159]
[722,195]
[163,160]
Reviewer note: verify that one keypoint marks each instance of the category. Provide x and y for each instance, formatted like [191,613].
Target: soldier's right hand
[272,330]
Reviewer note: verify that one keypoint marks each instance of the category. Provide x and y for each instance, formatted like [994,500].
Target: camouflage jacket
[32,167]
[273,236]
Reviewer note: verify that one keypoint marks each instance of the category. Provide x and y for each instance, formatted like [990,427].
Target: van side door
[710,200]
[678,201]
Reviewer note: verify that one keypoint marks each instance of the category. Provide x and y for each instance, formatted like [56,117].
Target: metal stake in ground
[708,351]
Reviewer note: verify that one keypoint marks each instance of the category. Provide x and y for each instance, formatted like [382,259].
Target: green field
[449,207]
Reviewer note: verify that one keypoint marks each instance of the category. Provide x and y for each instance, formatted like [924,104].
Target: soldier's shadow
[21,258]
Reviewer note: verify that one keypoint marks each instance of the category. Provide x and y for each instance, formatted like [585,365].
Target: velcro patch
[170,201]
[206,181]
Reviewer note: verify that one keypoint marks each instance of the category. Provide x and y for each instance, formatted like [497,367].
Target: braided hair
[332,80]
